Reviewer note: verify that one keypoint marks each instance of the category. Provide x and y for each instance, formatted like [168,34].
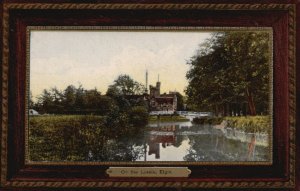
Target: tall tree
[125,85]
[230,69]
[45,102]
[180,102]
[69,97]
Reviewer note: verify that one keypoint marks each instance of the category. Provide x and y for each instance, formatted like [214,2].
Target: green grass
[208,120]
[244,123]
[167,118]
[63,137]
[250,123]
[57,118]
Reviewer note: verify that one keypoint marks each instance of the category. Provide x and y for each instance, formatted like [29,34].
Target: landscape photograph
[150,95]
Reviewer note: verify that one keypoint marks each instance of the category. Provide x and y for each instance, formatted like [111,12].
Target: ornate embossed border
[290,183]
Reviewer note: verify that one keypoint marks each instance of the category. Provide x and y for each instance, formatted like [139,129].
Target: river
[184,141]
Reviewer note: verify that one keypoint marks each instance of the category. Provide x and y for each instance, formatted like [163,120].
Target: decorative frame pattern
[289,183]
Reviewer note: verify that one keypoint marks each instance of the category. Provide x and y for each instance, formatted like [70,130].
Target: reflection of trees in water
[116,150]
[129,145]
[85,141]
[92,140]
[216,147]
[125,147]
[178,141]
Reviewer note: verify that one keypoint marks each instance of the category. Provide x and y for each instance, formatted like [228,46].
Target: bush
[208,120]
[138,116]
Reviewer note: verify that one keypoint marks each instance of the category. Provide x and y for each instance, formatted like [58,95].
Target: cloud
[166,62]
[59,59]
[59,72]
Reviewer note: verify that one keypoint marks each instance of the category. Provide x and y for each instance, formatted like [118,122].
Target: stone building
[162,102]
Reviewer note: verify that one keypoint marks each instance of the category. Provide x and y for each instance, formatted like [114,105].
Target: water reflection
[177,141]
[187,142]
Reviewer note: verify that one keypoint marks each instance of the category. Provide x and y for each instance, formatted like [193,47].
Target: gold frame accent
[290,183]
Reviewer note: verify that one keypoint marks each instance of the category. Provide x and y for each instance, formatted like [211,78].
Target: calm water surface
[183,141]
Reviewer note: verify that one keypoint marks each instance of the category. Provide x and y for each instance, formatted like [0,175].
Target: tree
[79,101]
[45,102]
[69,97]
[73,100]
[180,102]
[91,99]
[105,105]
[138,116]
[125,91]
[125,85]
[230,70]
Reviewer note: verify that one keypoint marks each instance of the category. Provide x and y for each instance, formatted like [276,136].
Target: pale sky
[97,58]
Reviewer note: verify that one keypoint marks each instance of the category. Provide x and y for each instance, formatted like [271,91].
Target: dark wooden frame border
[16,15]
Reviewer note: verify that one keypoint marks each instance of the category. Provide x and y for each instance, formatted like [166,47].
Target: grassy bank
[208,120]
[57,119]
[85,137]
[167,118]
[244,123]
[63,137]
[250,123]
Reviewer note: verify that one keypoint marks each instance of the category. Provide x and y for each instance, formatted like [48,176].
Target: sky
[95,59]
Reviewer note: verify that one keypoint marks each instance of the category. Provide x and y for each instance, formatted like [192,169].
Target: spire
[146,90]
[158,85]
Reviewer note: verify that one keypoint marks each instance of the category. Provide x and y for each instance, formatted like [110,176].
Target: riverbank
[167,118]
[241,128]
[248,124]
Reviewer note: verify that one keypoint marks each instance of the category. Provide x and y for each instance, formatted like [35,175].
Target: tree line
[78,100]
[230,74]
[72,100]
[123,94]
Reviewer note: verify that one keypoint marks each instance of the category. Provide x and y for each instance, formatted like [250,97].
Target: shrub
[208,120]
[138,116]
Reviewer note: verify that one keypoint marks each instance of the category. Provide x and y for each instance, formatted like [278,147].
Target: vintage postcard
[150,95]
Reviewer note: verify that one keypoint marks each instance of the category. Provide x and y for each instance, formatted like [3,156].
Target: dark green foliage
[230,74]
[95,132]
[180,102]
[125,85]
[58,138]
[138,116]
[208,120]
[124,94]
[73,100]
[81,138]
